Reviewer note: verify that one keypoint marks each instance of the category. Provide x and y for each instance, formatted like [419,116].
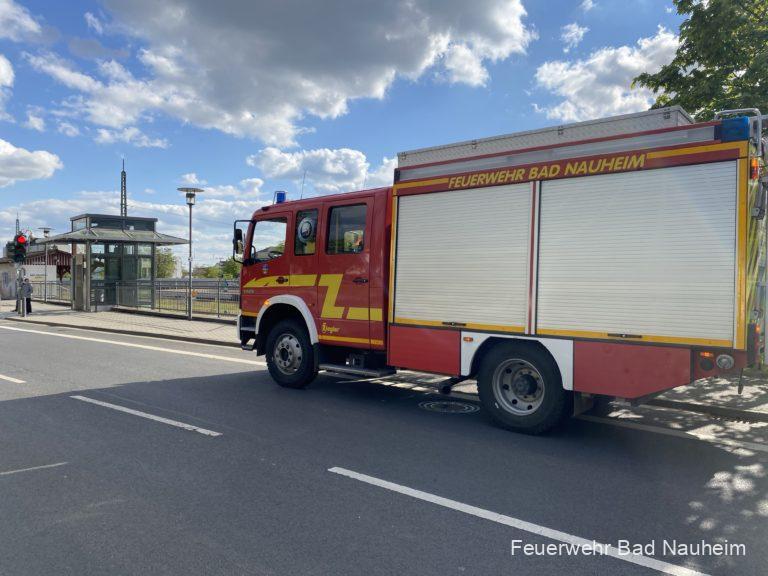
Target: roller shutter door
[462,256]
[646,253]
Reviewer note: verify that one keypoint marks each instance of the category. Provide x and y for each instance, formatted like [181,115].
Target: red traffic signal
[21,239]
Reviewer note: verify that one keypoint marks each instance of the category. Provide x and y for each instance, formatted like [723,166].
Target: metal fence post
[218,297]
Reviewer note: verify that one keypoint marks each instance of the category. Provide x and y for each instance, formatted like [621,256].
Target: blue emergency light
[731,129]
[279,197]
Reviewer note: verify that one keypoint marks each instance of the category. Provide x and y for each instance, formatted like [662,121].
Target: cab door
[266,268]
[344,285]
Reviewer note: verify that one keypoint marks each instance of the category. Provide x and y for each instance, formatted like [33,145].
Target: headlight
[725,362]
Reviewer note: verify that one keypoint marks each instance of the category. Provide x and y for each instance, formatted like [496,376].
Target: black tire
[290,357]
[521,389]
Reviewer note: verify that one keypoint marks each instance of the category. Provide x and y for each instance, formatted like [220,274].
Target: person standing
[26,294]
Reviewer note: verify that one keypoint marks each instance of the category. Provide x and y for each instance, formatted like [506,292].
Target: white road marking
[690,435]
[141,346]
[148,416]
[9,472]
[10,379]
[564,537]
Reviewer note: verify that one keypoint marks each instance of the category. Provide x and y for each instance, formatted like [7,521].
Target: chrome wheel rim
[287,354]
[518,387]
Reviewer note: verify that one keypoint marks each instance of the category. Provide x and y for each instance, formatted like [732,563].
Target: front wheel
[290,358]
[521,389]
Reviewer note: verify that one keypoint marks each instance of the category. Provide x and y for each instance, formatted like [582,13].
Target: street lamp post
[46,231]
[190,194]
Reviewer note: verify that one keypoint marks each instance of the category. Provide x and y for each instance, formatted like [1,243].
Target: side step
[350,370]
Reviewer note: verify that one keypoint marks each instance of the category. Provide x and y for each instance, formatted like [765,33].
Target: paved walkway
[716,396]
[121,322]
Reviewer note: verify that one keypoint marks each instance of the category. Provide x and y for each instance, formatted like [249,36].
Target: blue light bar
[279,197]
[734,129]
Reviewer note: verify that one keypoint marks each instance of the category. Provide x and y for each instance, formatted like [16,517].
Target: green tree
[228,269]
[166,263]
[722,60]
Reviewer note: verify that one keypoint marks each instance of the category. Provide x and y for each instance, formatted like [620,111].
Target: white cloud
[192,179]
[68,129]
[93,22]
[463,65]
[587,5]
[599,85]
[16,23]
[6,72]
[6,82]
[383,175]
[35,121]
[130,135]
[20,164]
[571,35]
[328,171]
[284,62]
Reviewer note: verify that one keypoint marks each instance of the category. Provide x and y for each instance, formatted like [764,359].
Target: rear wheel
[290,357]
[521,389]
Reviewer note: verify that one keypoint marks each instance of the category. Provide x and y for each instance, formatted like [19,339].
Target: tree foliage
[166,263]
[228,269]
[722,60]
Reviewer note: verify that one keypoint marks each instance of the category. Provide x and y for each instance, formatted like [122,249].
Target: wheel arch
[279,308]
[474,350]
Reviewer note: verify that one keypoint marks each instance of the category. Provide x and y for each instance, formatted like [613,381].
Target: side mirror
[237,245]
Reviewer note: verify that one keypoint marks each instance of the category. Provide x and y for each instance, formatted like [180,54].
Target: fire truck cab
[612,258]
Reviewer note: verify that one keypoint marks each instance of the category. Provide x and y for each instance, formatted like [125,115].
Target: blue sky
[241,97]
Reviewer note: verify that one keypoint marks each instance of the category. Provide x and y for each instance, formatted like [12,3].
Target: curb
[130,333]
[721,411]
[123,310]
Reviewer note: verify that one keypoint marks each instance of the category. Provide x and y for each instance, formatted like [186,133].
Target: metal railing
[210,297]
[214,297]
[53,291]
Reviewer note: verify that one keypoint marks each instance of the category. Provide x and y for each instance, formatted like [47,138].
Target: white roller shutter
[646,253]
[462,256]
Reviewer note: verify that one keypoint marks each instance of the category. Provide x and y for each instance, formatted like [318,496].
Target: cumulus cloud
[16,23]
[328,171]
[587,5]
[6,82]
[599,85]
[256,69]
[571,35]
[20,164]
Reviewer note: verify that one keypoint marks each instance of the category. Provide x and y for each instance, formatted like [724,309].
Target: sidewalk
[718,397]
[206,332]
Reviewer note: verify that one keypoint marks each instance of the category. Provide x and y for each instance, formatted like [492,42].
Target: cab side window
[306,233]
[346,229]
[268,240]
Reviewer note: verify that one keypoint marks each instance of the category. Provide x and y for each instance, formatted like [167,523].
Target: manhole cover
[449,407]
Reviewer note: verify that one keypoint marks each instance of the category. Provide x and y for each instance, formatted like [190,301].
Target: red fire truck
[613,258]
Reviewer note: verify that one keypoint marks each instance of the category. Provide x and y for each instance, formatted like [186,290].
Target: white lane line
[14,380]
[690,435]
[148,416]
[9,472]
[575,541]
[141,346]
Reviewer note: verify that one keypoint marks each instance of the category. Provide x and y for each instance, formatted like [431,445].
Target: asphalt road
[240,476]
